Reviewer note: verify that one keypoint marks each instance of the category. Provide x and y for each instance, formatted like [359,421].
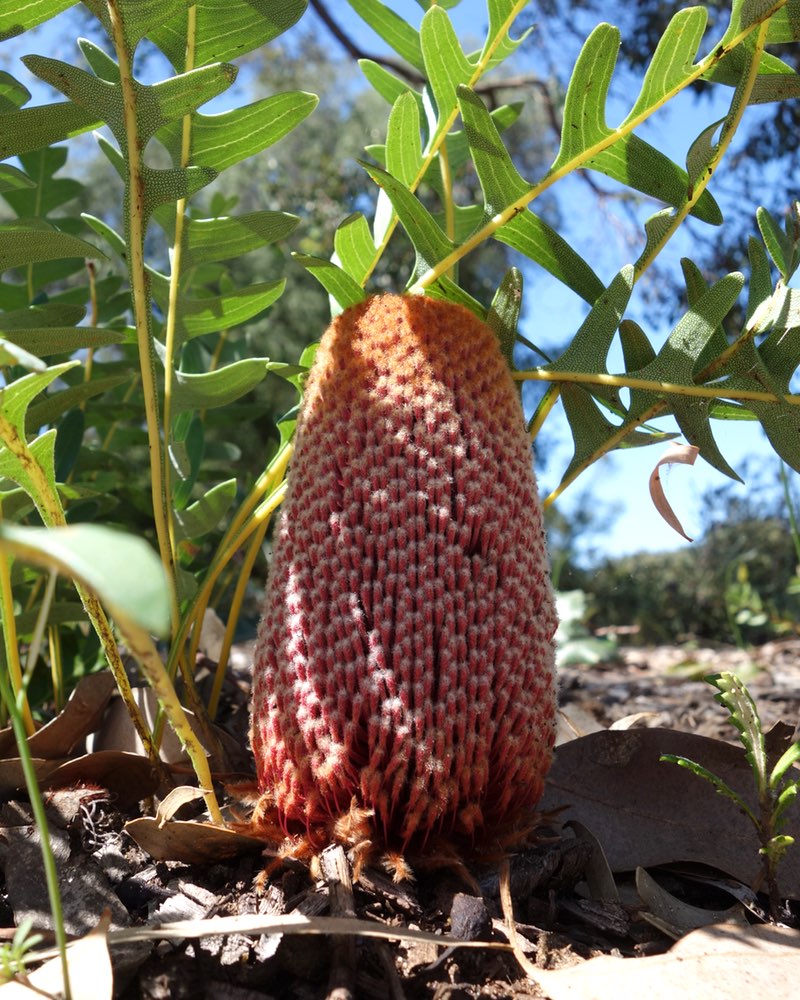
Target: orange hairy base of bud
[404,663]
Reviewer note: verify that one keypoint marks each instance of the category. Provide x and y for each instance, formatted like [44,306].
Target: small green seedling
[776,792]
[14,953]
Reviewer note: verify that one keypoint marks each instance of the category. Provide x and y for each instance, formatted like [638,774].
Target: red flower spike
[404,663]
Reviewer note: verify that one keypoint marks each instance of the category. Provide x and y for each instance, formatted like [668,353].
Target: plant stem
[14,708]
[135,215]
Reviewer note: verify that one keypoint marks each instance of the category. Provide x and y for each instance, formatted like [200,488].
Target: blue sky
[621,478]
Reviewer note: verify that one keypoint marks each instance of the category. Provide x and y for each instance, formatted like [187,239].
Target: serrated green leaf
[19,17]
[745,13]
[446,66]
[43,341]
[502,14]
[784,25]
[53,406]
[718,784]
[527,233]
[447,290]
[219,387]
[759,288]
[33,128]
[639,165]
[403,142]
[385,83]
[458,151]
[46,191]
[226,29]
[27,246]
[100,62]
[735,697]
[354,247]
[205,514]
[398,34]
[156,105]
[429,241]
[500,180]
[776,240]
[785,761]
[503,316]
[138,17]
[775,81]
[590,346]
[218,141]
[16,397]
[197,317]
[672,61]
[13,94]
[336,282]
[123,571]
[584,119]
[48,314]
[208,240]
[13,179]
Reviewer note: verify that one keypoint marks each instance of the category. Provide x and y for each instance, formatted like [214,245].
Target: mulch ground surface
[558,921]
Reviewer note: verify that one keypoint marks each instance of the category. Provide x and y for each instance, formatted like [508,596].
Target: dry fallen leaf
[676,454]
[80,716]
[676,917]
[647,813]
[190,842]
[721,962]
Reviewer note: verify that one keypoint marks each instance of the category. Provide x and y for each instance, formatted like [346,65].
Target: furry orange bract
[404,662]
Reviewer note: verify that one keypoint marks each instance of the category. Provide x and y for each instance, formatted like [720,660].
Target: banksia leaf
[404,662]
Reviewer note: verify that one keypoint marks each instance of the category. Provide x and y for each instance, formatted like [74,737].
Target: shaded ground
[560,921]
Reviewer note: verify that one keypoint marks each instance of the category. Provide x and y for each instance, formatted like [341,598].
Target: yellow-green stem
[136,210]
[174,287]
[233,615]
[56,666]
[11,643]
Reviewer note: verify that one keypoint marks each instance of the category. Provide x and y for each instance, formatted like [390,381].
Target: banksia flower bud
[404,661]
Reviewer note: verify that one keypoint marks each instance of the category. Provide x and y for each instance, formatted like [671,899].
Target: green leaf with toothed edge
[503,316]
[386,84]
[398,34]
[34,128]
[673,59]
[196,317]
[137,17]
[589,347]
[734,696]
[584,117]
[527,233]
[336,282]
[209,240]
[502,14]
[403,150]
[354,247]
[19,17]
[220,140]
[43,341]
[429,241]
[226,29]
[446,66]
[29,246]
[205,514]
[156,105]
[219,387]
[637,164]
[53,406]
[500,180]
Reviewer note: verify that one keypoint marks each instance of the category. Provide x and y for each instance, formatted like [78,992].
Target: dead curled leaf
[676,454]
[720,962]
[647,813]
[189,842]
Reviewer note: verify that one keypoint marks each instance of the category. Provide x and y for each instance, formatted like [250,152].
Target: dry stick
[508,915]
[342,977]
